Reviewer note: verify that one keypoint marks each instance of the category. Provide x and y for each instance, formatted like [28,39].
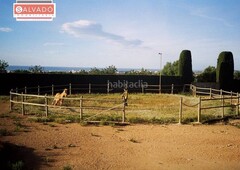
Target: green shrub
[225,70]
[185,66]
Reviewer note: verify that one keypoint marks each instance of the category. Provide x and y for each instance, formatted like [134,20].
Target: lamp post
[160,75]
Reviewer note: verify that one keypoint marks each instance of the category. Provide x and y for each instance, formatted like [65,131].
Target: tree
[82,72]
[110,70]
[36,69]
[237,75]
[94,70]
[3,66]
[208,75]
[139,72]
[170,69]
[20,71]
[225,70]
[185,66]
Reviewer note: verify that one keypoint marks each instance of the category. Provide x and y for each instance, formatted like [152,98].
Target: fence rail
[79,103]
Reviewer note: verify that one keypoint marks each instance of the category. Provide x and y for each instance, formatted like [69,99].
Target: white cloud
[86,28]
[5,29]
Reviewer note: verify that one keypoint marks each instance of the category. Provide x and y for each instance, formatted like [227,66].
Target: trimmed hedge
[185,66]
[225,70]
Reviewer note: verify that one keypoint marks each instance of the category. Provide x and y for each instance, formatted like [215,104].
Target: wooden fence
[225,98]
[83,105]
[99,88]
[79,103]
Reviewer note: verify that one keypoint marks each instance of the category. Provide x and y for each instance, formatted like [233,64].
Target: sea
[68,69]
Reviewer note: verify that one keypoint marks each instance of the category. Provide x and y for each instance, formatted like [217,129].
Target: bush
[185,66]
[225,70]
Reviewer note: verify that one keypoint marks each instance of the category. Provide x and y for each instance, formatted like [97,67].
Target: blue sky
[123,33]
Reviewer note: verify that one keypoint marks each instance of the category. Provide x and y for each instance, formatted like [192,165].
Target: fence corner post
[172,89]
[23,106]
[124,112]
[210,93]
[11,99]
[222,106]
[46,105]
[89,88]
[38,90]
[108,86]
[25,89]
[52,90]
[199,110]
[237,106]
[81,109]
[180,111]
[70,89]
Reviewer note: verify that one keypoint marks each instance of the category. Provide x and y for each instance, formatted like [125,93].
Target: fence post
[222,106]
[16,92]
[52,90]
[25,89]
[231,98]
[89,88]
[23,107]
[81,109]
[142,88]
[123,115]
[221,92]
[210,93]
[70,88]
[195,91]
[46,105]
[11,99]
[38,90]
[237,106]
[172,88]
[108,87]
[199,110]
[180,111]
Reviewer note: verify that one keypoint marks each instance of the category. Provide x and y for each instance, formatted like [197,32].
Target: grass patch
[67,167]
[41,119]
[19,165]
[142,108]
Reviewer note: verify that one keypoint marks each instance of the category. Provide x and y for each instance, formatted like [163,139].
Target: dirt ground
[72,146]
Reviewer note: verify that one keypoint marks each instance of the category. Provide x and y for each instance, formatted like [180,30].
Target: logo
[34,10]
[127,84]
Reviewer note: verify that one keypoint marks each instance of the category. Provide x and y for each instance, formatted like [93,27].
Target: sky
[123,33]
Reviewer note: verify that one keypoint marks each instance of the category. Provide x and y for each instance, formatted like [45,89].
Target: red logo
[34,11]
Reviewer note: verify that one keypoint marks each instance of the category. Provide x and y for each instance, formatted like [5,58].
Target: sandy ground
[55,146]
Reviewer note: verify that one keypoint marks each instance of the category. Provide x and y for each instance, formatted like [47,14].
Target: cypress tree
[225,70]
[185,66]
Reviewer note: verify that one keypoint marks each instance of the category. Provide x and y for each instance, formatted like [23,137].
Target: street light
[160,76]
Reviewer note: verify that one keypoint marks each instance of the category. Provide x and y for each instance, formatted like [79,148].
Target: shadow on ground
[18,157]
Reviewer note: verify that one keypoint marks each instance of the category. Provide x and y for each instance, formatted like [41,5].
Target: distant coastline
[48,68]
[67,69]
